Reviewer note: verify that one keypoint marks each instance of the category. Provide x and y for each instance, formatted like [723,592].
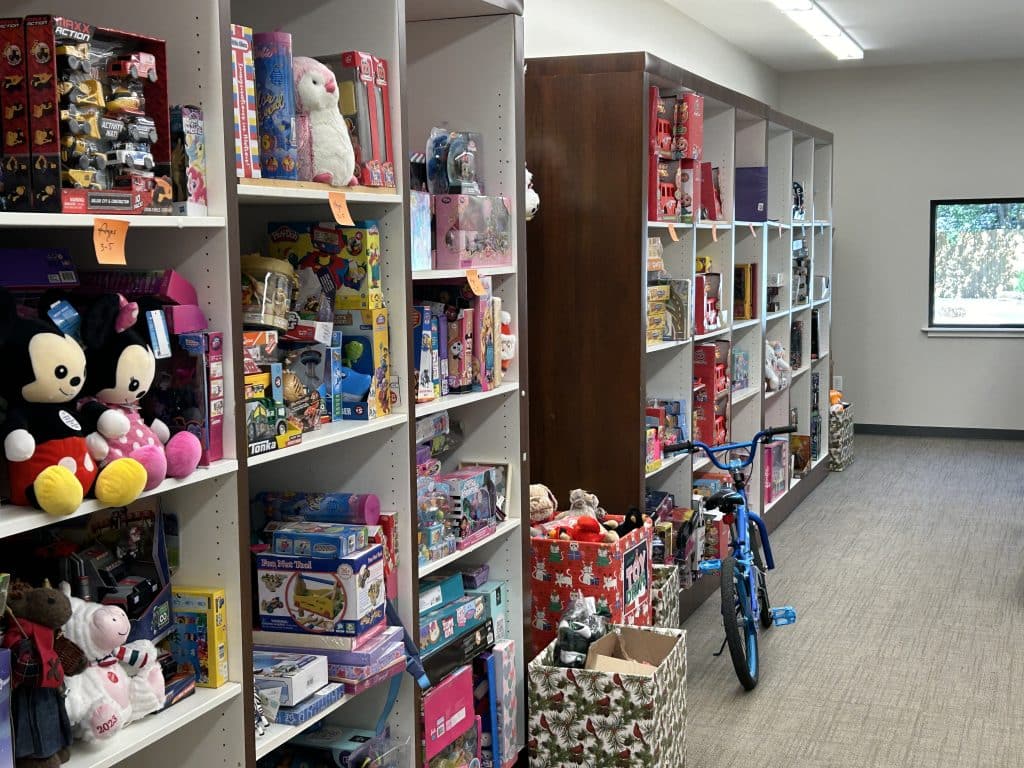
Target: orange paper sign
[108,236]
[473,278]
[672,233]
[339,207]
[714,231]
[753,231]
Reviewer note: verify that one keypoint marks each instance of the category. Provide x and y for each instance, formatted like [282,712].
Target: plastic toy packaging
[580,626]
[455,162]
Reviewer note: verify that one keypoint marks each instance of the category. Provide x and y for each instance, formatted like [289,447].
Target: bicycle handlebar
[762,436]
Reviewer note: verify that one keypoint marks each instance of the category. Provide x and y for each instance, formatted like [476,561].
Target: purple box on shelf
[37,268]
[472,231]
[752,194]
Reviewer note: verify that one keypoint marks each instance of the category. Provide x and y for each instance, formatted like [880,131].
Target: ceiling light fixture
[819,25]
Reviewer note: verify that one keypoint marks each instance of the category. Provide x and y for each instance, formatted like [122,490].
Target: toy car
[138,159]
[141,128]
[133,65]
[81,179]
[125,101]
[75,56]
[85,152]
[84,93]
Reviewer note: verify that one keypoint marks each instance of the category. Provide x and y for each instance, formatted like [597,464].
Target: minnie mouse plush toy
[121,371]
[52,460]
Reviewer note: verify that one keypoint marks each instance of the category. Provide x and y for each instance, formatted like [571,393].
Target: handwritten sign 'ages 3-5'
[108,239]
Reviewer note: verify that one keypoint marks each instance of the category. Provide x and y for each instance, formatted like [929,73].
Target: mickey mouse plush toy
[51,463]
[122,367]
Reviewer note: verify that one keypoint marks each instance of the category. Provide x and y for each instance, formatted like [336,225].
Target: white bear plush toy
[775,364]
[325,147]
[122,683]
[532,198]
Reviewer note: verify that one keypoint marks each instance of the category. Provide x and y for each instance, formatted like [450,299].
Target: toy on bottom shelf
[41,434]
[42,730]
[121,684]
[122,368]
[200,641]
[325,148]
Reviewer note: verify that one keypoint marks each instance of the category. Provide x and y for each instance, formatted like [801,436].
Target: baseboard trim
[967,433]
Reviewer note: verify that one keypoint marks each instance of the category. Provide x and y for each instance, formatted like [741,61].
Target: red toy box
[15,194]
[617,576]
[689,127]
[707,302]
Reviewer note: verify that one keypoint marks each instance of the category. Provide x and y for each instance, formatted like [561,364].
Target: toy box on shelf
[365,352]
[775,463]
[617,576]
[740,369]
[16,194]
[200,640]
[744,292]
[349,660]
[296,675]
[472,231]
[99,118]
[707,302]
[641,674]
[188,160]
[447,711]
[243,102]
[275,105]
[752,193]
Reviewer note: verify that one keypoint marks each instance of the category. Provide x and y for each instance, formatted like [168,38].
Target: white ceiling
[891,32]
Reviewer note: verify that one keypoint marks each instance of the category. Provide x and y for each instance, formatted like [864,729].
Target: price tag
[473,278]
[108,236]
[672,233]
[339,207]
[714,231]
[753,231]
[780,229]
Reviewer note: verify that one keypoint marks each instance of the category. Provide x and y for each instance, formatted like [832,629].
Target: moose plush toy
[121,683]
[121,371]
[325,147]
[51,463]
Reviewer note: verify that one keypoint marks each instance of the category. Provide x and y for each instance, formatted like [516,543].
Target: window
[977,263]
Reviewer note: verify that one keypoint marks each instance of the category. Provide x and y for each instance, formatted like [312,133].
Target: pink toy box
[448,711]
[472,231]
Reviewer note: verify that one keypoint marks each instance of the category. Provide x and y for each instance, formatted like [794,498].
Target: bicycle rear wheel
[740,627]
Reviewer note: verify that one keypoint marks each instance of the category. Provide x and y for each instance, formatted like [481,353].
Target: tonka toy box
[201,633]
[329,596]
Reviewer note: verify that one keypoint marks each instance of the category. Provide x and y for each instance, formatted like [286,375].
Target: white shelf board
[712,334]
[667,463]
[746,324]
[821,223]
[699,462]
[283,194]
[779,224]
[455,401]
[460,274]
[50,220]
[143,733]
[819,302]
[663,345]
[821,358]
[330,434]
[505,527]
[425,10]
[741,395]
[768,507]
[681,226]
[820,459]
[793,483]
[714,225]
[777,315]
[801,371]
[750,223]
[772,394]
[14,519]
[801,307]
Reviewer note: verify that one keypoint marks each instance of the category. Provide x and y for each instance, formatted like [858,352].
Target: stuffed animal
[630,523]
[51,460]
[582,503]
[775,363]
[543,504]
[589,530]
[532,198]
[42,731]
[121,684]
[121,371]
[325,147]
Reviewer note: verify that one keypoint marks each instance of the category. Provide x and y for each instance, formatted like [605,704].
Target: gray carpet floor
[907,572]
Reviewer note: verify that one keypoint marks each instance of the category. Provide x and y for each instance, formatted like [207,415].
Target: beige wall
[905,136]
[572,27]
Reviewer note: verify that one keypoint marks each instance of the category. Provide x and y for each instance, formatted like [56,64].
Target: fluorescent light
[819,25]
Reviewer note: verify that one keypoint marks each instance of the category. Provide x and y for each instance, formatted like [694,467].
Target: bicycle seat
[725,498]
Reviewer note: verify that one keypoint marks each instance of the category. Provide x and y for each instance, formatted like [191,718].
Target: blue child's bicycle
[745,601]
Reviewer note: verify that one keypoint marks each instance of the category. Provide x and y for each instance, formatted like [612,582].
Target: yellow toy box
[201,633]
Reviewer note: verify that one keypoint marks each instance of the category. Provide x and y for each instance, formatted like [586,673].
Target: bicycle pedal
[709,566]
[784,615]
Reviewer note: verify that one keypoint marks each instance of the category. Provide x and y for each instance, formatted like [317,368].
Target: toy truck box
[266,419]
[201,633]
[365,353]
[188,160]
[365,104]
[15,193]
[296,675]
[472,231]
[243,103]
[328,596]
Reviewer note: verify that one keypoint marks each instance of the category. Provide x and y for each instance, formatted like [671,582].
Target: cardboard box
[201,633]
[327,596]
[205,355]
[243,100]
[37,268]
[447,711]
[14,111]
[458,651]
[346,746]
[311,707]
[665,595]
[327,644]
[689,127]
[421,219]
[506,683]
[496,594]
[643,707]
[707,303]
[296,675]
[752,194]
[437,590]
[275,105]
[366,352]
[330,540]
[188,160]
[450,621]
[472,231]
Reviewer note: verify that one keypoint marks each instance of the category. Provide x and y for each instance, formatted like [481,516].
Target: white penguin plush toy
[325,148]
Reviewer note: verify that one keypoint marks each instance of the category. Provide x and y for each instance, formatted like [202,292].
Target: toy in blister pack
[188,160]
[454,162]
[365,353]
[472,231]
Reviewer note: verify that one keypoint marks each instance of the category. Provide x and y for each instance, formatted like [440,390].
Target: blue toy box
[451,620]
[308,539]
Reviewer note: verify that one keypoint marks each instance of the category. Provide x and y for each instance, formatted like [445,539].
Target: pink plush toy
[121,684]
[121,369]
[325,147]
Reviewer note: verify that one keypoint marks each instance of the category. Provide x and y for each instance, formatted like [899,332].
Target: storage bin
[665,596]
[840,439]
[611,719]
[617,576]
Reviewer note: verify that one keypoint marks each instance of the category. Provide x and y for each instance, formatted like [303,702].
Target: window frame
[932,323]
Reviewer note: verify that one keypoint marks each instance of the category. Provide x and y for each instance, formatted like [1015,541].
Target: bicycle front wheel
[740,627]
